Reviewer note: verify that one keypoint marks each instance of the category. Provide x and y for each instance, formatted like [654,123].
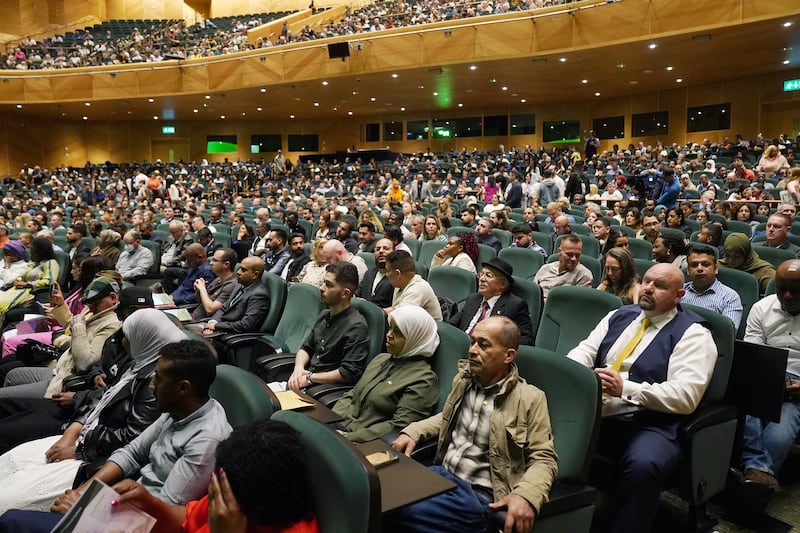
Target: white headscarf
[147,331]
[419,329]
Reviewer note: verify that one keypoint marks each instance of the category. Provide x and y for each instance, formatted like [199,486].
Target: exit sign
[168,130]
[791,85]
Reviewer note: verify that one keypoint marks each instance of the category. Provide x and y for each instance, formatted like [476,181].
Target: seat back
[62,258]
[155,249]
[277,300]
[746,286]
[347,492]
[369,259]
[376,325]
[453,345]
[428,250]
[724,336]
[640,248]
[570,314]
[591,246]
[485,252]
[503,235]
[592,263]
[526,262]
[774,256]
[244,397]
[642,266]
[531,293]
[545,240]
[574,403]
[452,282]
[413,244]
[738,226]
[300,313]
[223,238]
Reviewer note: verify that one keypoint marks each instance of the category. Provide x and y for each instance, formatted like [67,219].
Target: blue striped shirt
[717,297]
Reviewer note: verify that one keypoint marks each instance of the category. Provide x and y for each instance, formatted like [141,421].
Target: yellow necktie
[632,344]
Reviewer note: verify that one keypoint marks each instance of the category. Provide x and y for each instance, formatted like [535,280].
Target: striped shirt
[717,297]
[467,457]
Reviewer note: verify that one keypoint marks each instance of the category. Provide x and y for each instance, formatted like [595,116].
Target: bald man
[775,320]
[666,373]
[334,251]
[248,305]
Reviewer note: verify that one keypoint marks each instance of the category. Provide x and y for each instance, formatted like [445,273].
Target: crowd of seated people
[188,215]
[208,38]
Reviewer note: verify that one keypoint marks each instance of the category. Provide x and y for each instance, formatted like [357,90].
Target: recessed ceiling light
[679,80]
[402,109]
[786,61]
[584,82]
[84,118]
[435,93]
[19,106]
[355,93]
[394,75]
[647,71]
[669,68]
[155,117]
[504,88]
[562,59]
[208,97]
[244,114]
[263,90]
[149,100]
[195,111]
[291,116]
[787,24]
[259,108]
[222,117]
[633,82]
[652,46]
[316,104]
[620,65]
[372,99]
[324,83]
[473,67]
[597,93]
[523,100]
[88,104]
[460,105]
[350,113]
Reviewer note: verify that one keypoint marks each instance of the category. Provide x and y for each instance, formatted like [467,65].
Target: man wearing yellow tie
[659,356]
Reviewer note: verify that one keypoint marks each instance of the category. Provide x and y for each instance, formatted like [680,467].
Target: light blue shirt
[717,297]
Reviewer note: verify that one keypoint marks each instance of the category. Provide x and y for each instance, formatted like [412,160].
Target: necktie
[484,310]
[632,344]
[236,297]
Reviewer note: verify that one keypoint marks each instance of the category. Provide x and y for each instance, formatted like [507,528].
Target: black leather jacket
[129,413]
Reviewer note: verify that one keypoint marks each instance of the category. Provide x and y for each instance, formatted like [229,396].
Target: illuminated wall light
[504,88]
[435,93]
[460,105]
[88,104]
[325,83]
[402,109]
[787,24]
[473,67]
[394,75]
[19,106]
[208,97]
[291,116]
[562,59]
[597,93]
[316,104]
[222,117]
[679,80]
[195,111]
[155,117]
[669,69]
[263,90]
[523,101]
[85,118]
[786,61]
[652,46]
[372,99]
[350,113]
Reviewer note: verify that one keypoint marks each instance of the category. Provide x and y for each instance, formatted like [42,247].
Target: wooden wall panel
[38,89]
[609,24]
[120,142]
[24,138]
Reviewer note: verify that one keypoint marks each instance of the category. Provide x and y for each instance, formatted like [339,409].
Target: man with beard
[375,286]
[297,258]
[659,356]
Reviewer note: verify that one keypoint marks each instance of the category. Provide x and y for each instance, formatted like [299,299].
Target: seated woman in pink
[61,308]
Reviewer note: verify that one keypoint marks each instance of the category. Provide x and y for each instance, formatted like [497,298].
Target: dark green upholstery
[545,240]
[640,248]
[452,282]
[532,294]
[485,252]
[574,403]
[453,345]
[525,262]
[570,314]
[62,258]
[428,250]
[591,246]
[746,285]
[592,263]
[277,300]
[244,397]
[774,256]
[642,266]
[347,492]
[368,257]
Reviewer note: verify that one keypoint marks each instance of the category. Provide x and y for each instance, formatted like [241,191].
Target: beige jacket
[84,346]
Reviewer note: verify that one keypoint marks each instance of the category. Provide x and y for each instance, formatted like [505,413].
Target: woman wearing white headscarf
[398,387]
[34,474]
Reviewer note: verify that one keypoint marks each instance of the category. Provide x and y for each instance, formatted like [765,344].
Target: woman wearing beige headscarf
[739,254]
[398,387]
[108,245]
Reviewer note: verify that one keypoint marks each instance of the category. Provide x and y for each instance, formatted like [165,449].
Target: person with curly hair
[461,251]
[670,248]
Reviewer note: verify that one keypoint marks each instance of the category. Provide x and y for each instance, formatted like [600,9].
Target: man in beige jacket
[83,342]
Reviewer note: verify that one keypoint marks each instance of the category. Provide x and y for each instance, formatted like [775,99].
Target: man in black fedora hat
[494,298]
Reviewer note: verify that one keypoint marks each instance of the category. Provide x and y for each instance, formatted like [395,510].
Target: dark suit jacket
[246,314]
[514,198]
[82,248]
[382,297]
[296,266]
[509,305]
[367,248]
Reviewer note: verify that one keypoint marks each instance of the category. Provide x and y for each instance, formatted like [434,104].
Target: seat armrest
[706,416]
[324,389]
[237,339]
[273,367]
[390,437]
[267,344]
[425,452]
[564,497]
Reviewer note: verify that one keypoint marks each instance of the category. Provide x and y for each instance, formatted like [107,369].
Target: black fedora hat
[497,264]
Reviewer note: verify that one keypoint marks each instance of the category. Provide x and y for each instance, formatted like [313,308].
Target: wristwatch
[308,378]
